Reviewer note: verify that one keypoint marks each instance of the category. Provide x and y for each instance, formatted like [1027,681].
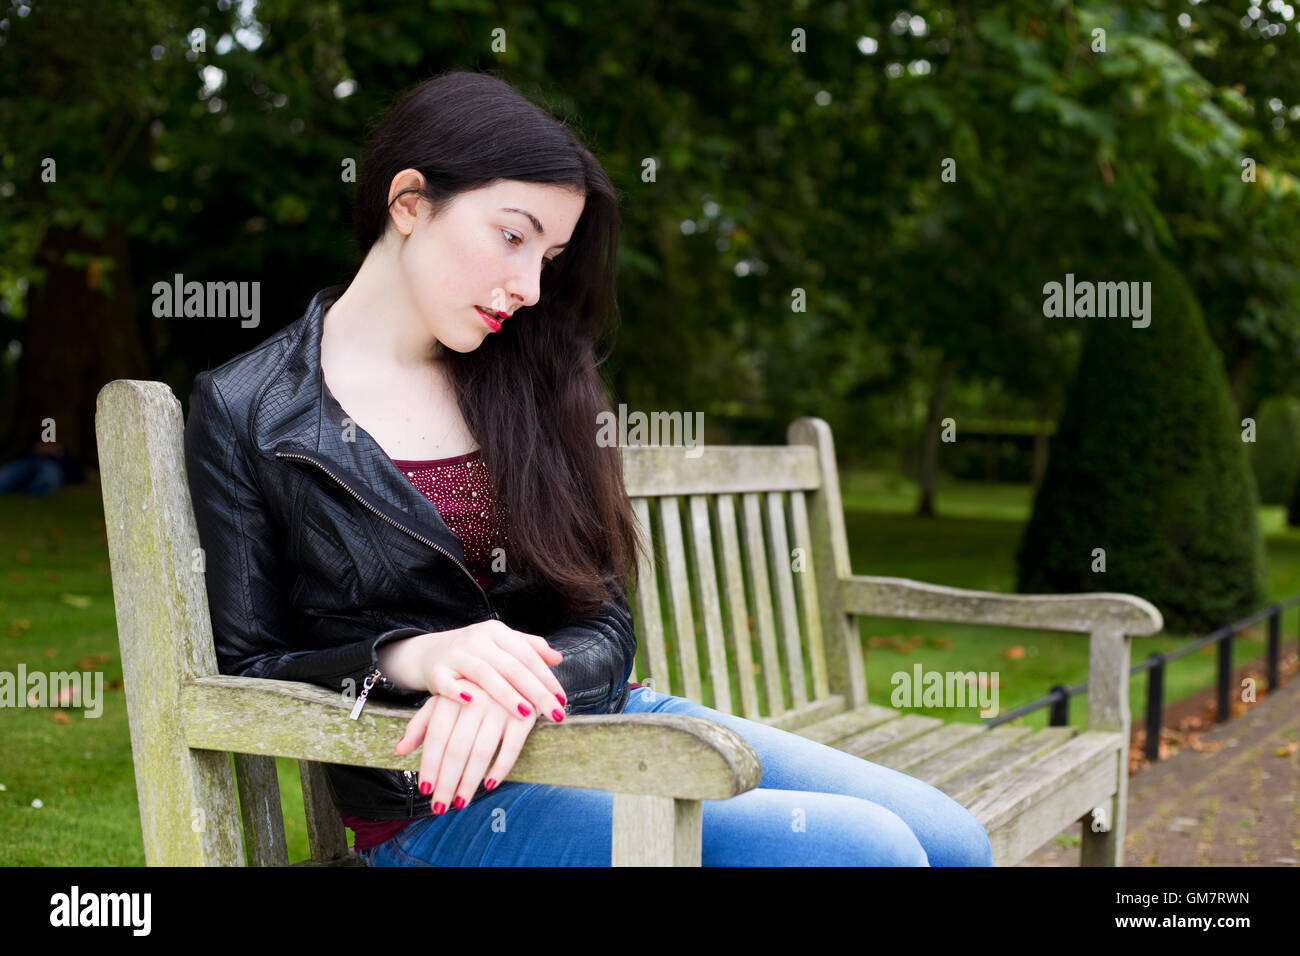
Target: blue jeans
[814,806]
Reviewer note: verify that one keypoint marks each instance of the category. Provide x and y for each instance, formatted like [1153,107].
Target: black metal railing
[1058,698]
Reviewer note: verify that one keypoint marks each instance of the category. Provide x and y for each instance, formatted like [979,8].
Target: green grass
[56,613]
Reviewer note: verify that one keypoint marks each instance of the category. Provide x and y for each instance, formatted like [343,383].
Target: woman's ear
[404,200]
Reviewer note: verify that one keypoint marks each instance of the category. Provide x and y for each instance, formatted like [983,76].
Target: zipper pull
[365,692]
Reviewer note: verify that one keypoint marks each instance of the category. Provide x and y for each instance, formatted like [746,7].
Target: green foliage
[778,170]
[1149,466]
[1275,453]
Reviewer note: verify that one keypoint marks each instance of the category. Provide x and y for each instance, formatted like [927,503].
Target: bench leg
[656,831]
[261,810]
[1103,839]
[326,836]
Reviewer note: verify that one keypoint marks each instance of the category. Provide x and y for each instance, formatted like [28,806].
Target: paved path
[1235,801]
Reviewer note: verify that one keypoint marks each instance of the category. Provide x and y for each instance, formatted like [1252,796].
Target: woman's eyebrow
[537,223]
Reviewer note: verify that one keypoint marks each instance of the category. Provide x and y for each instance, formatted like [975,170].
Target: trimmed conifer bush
[1276,450]
[1148,465]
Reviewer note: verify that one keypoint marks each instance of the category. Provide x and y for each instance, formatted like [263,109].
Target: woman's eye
[546,261]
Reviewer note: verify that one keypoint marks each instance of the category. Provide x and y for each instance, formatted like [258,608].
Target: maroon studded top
[462,492]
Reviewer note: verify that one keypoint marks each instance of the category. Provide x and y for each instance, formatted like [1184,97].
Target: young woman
[400,495]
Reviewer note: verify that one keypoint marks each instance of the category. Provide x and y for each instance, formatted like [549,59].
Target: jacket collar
[297,414]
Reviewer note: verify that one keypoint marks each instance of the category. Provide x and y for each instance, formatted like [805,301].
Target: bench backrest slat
[761,598]
[734,590]
[706,586]
[742,591]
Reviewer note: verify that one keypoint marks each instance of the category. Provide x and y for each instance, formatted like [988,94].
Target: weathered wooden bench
[759,581]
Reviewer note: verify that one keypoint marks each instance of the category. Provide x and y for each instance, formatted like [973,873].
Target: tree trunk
[1040,447]
[76,339]
[930,441]
[1237,377]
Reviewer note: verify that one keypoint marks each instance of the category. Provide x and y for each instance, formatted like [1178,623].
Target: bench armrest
[1086,613]
[1109,620]
[659,755]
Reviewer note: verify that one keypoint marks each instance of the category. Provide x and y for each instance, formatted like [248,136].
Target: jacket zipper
[374,675]
[408,775]
[368,683]
[400,527]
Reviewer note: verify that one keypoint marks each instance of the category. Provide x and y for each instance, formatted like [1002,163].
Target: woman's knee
[963,840]
[972,843]
[805,828]
[881,837]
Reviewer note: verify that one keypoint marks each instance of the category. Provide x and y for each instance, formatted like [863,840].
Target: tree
[1148,490]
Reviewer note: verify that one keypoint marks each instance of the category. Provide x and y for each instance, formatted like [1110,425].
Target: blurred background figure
[41,472]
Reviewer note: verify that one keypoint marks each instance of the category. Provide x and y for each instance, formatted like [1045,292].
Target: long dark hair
[531,392]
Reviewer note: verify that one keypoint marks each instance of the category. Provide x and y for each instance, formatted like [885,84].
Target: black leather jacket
[319,550]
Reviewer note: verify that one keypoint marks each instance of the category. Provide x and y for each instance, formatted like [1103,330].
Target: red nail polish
[561,698]
[557,715]
[524,710]
[426,788]
[489,785]
[439,808]
[466,696]
[458,802]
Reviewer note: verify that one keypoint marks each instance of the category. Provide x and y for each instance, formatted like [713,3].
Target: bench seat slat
[940,740]
[963,786]
[882,737]
[980,747]
[813,712]
[1027,808]
[844,724]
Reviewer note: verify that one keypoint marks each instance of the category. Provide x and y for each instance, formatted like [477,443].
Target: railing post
[1225,674]
[1274,645]
[1060,713]
[1155,704]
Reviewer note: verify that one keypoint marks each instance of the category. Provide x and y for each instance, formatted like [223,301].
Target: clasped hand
[489,683]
